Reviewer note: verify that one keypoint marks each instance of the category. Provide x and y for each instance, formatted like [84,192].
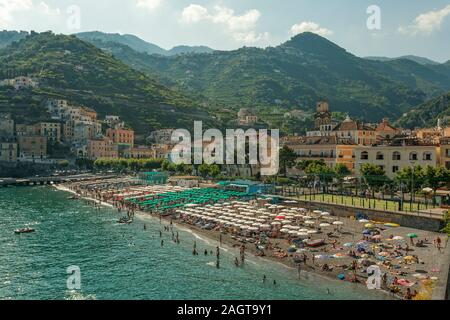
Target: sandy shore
[227,242]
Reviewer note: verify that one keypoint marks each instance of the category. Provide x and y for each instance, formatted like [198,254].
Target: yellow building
[101,148]
[393,158]
[8,151]
[32,147]
[51,130]
[329,149]
[445,152]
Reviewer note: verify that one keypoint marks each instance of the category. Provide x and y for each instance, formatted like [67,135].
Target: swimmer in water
[264,279]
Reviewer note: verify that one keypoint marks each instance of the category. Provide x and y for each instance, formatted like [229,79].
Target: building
[445,152]
[121,137]
[430,135]
[51,130]
[331,150]
[356,131]
[26,130]
[20,83]
[88,114]
[323,116]
[394,158]
[246,117]
[114,122]
[386,131]
[8,151]
[32,148]
[101,148]
[6,126]
[140,152]
[86,130]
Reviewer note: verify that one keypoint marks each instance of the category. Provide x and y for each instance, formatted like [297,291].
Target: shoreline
[213,238]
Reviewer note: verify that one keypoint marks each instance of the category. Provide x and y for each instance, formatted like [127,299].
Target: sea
[78,252]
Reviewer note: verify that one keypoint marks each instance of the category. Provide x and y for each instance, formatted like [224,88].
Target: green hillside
[78,71]
[428,113]
[295,75]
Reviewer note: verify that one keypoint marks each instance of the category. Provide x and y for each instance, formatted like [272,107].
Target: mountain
[8,37]
[72,69]
[138,44]
[188,49]
[295,75]
[419,60]
[428,113]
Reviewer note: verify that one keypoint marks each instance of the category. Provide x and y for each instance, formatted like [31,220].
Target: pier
[52,180]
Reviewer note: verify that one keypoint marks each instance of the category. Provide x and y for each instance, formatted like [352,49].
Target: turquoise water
[126,262]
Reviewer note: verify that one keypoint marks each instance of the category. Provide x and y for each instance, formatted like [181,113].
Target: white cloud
[426,23]
[308,26]
[10,8]
[194,13]
[240,27]
[149,5]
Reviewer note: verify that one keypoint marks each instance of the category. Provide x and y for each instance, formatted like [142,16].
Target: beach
[416,267]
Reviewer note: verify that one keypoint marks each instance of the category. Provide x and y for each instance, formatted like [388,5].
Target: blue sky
[420,27]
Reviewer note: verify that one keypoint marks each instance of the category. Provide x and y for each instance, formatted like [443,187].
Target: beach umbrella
[276,223]
[340,255]
[324,214]
[348,245]
[384,254]
[302,234]
[338,223]
[376,237]
[324,225]
[284,230]
[411,235]
[312,232]
[286,222]
[303,230]
[369,226]
[309,222]
[398,238]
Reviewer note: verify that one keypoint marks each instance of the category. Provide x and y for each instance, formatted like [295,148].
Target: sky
[364,28]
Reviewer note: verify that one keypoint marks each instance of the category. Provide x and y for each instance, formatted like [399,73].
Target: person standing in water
[162,243]
[264,279]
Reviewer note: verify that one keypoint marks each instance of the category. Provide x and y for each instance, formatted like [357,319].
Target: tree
[287,159]
[374,177]
[203,169]
[323,172]
[214,170]
[341,171]
[436,178]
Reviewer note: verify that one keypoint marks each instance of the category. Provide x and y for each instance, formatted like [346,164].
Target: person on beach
[218,252]
[160,233]
[206,252]
[218,264]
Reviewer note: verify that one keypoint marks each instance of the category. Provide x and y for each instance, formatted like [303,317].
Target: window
[395,169]
[413,156]
[427,156]
[396,156]
[364,155]
[380,156]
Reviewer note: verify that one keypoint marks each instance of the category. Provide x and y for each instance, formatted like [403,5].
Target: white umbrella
[338,223]
[324,225]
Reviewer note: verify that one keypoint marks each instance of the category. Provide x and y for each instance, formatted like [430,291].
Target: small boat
[24,230]
[73,198]
[125,220]
[315,243]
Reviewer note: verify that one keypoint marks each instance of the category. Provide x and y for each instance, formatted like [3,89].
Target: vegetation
[296,75]
[71,69]
[128,164]
[428,113]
